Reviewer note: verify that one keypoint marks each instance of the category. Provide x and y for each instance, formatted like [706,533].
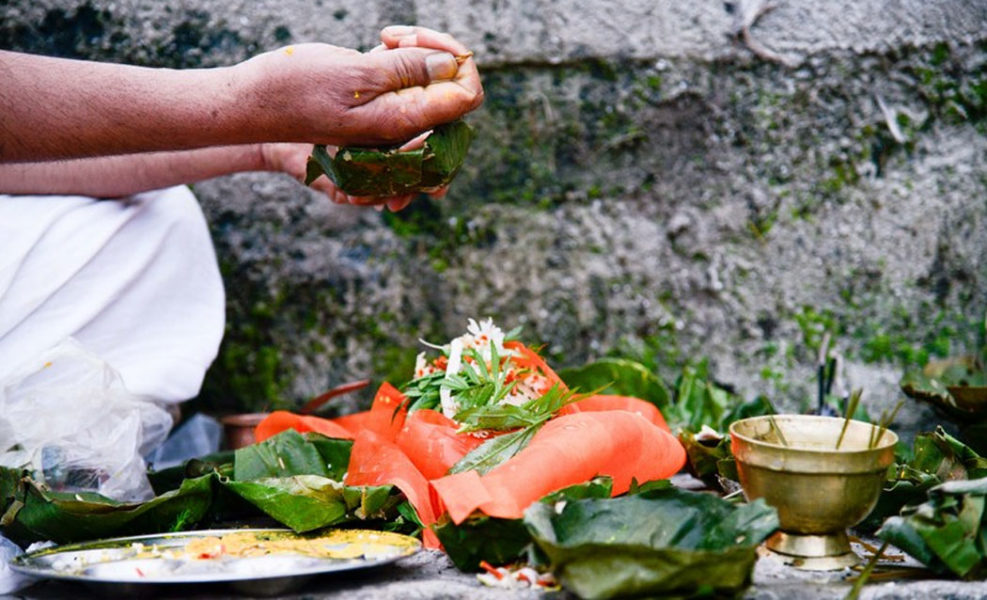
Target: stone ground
[431,575]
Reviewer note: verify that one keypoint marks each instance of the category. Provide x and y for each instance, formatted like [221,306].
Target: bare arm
[127,174]
[316,93]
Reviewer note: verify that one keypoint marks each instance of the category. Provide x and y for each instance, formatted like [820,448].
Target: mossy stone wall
[642,185]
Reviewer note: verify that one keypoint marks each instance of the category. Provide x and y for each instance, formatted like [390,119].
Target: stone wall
[643,184]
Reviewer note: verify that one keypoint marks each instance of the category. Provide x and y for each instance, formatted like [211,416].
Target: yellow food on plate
[339,544]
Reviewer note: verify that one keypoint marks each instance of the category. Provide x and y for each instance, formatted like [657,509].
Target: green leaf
[498,417]
[171,478]
[335,453]
[900,532]
[308,502]
[757,407]
[319,163]
[620,377]
[945,533]
[424,391]
[501,541]
[494,451]
[449,145]
[390,172]
[497,541]
[660,542]
[937,458]
[68,517]
[705,456]
[283,455]
[598,487]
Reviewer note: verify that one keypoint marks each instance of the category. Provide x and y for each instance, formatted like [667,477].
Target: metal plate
[162,559]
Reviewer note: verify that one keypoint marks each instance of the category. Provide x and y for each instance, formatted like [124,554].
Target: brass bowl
[818,490]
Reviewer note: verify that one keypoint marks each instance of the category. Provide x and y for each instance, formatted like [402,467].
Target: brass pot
[818,490]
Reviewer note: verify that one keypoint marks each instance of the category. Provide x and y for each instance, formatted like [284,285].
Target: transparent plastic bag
[198,436]
[68,417]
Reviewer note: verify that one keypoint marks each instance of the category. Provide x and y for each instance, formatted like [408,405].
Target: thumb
[418,88]
[402,68]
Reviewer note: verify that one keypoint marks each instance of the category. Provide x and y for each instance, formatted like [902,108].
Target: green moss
[940,53]
[81,33]
[814,324]
[282,34]
[913,338]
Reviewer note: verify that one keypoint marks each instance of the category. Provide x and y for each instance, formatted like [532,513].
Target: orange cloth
[624,438]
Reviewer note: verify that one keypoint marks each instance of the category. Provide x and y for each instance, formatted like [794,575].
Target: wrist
[265,102]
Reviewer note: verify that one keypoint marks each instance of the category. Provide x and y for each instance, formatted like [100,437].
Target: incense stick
[850,410]
[781,436]
[885,421]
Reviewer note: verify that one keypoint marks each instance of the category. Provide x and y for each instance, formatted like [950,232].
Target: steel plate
[126,563]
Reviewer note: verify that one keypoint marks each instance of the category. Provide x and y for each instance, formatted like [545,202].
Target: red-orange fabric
[430,440]
[608,402]
[622,437]
[568,450]
[375,460]
[280,420]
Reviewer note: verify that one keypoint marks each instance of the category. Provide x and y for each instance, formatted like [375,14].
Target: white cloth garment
[134,281]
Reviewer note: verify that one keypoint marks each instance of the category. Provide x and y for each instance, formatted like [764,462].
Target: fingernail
[441,65]
[399,30]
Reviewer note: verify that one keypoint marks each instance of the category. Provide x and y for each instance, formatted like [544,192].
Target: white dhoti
[135,281]
[108,308]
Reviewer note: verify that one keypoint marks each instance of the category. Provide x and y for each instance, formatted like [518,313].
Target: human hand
[292,159]
[317,93]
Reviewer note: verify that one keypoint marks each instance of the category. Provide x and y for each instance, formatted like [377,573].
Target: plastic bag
[69,418]
[10,580]
[198,436]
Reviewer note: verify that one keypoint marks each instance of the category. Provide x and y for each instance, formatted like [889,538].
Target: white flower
[449,406]
[483,335]
[422,366]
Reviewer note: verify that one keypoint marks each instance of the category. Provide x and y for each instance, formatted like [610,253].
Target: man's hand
[54,108]
[415,80]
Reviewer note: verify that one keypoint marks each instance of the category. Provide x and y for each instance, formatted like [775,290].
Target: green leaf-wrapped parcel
[947,533]
[665,541]
[293,478]
[33,512]
[392,172]
[296,480]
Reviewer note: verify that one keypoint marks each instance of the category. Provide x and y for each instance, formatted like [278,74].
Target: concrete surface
[430,575]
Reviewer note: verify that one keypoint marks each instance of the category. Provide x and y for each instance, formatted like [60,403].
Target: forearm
[123,175]
[55,108]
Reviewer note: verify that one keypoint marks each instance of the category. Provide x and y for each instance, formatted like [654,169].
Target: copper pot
[238,429]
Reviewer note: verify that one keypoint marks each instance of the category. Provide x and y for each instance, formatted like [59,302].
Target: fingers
[326,186]
[403,36]
[439,193]
[415,142]
[399,203]
[419,88]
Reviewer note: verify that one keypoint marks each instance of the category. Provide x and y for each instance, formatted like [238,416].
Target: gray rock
[643,184]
